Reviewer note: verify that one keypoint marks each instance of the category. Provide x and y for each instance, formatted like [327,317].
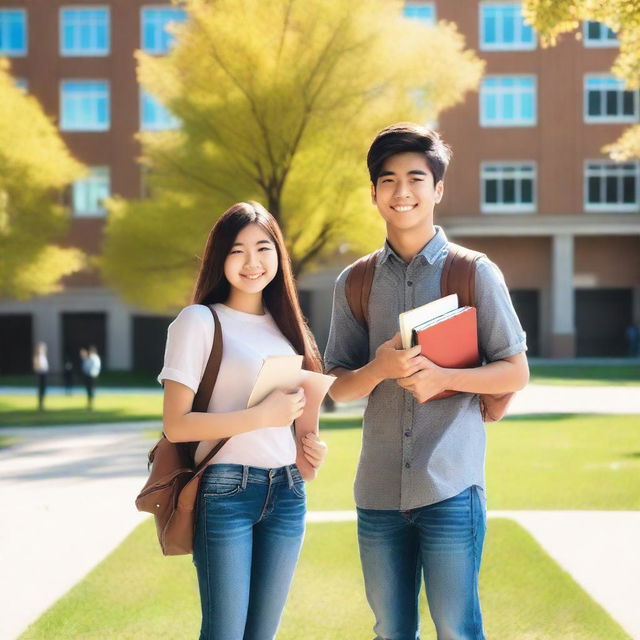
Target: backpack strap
[357,286]
[459,274]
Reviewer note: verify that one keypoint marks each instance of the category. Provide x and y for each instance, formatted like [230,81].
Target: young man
[419,488]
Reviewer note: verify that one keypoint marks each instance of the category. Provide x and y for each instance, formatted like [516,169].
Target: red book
[450,341]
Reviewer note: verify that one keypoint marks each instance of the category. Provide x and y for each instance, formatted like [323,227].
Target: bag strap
[357,286]
[459,274]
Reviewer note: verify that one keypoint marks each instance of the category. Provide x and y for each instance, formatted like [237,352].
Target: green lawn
[137,594]
[586,375]
[543,462]
[20,410]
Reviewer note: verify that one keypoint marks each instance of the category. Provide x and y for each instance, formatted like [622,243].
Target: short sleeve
[189,342]
[348,343]
[500,334]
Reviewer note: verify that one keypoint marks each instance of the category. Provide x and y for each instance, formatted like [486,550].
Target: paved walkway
[67,494]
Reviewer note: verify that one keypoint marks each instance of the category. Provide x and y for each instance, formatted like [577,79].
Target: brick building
[529,184]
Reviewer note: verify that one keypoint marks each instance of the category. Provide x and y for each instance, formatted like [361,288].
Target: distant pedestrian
[67,374]
[91,366]
[632,334]
[41,369]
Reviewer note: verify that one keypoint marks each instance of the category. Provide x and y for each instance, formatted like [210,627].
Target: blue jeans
[445,541]
[249,530]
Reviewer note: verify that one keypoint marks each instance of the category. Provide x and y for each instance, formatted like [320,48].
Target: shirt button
[407,465]
[407,433]
[409,283]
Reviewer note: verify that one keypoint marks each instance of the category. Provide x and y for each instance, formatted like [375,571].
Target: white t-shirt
[247,340]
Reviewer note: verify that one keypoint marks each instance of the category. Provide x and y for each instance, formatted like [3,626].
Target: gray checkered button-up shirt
[418,454]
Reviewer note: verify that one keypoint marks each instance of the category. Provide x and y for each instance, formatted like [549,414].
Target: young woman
[251,505]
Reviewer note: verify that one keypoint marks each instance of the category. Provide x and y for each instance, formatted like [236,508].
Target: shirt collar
[429,252]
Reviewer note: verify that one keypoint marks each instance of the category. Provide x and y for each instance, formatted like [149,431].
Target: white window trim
[510,123]
[95,53]
[502,208]
[101,211]
[501,46]
[607,119]
[597,44]
[96,129]
[421,3]
[143,8]
[18,53]
[608,206]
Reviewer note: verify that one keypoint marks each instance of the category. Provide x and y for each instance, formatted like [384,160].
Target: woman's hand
[314,449]
[281,408]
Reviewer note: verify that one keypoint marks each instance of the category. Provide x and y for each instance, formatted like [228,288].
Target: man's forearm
[501,376]
[353,385]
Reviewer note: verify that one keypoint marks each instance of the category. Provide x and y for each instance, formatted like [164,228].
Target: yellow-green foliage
[34,166]
[278,103]
[553,17]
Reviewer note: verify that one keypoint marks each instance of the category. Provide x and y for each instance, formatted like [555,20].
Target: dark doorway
[80,331]
[527,305]
[149,338]
[16,343]
[601,318]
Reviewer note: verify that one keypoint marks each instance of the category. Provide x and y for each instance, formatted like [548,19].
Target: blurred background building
[529,184]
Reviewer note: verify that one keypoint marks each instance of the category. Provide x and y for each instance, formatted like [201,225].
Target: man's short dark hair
[407,136]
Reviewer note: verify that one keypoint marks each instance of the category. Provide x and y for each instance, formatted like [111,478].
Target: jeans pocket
[299,489]
[221,489]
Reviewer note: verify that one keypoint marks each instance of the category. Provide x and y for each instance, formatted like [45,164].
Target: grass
[21,410]
[586,375]
[138,594]
[533,462]
[6,441]
[107,379]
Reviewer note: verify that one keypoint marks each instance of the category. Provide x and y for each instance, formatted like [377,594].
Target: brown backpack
[458,276]
[172,487]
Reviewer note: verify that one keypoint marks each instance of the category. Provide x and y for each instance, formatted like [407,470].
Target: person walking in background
[41,369]
[91,366]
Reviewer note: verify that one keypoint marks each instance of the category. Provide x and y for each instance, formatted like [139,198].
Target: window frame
[504,208]
[609,119]
[419,3]
[155,7]
[516,45]
[90,53]
[100,212]
[24,50]
[508,123]
[600,43]
[91,129]
[609,207]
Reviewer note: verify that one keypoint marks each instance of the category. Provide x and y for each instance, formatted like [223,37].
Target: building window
[155,37]
[90,192]
[612,186]
[502,28]
[596,34]
[22,83]
[85,105]
[13,32]
[605,100]
[416,10]
[508,188]
[508,101]
[84,31]
[154,116]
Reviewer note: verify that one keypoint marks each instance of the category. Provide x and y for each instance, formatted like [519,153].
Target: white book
[414,317]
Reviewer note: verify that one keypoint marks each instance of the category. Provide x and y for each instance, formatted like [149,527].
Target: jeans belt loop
[289,476]
[245,476]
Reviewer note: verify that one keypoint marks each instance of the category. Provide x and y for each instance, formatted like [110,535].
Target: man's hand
[315,450]
[429,381]
[392,361]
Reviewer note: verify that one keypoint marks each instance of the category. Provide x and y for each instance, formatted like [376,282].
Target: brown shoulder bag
[458,276]
[172,487]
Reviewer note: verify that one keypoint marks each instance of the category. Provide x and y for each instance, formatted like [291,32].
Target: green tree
[34,167]
[554,17]
[278,102]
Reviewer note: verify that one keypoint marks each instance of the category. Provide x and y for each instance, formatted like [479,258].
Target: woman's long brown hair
[279,296]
